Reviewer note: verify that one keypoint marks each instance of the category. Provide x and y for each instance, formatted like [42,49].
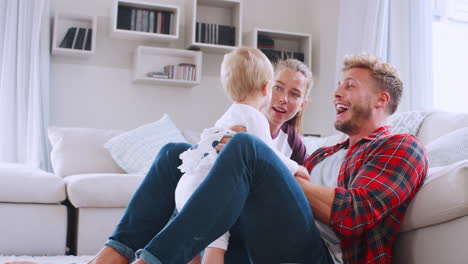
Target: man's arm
[320,199]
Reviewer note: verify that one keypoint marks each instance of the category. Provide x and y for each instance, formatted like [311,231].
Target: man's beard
[354,123]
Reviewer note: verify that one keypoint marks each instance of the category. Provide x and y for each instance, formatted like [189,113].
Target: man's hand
[302,173]
[225,140]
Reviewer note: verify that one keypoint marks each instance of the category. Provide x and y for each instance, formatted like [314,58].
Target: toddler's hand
[302,173]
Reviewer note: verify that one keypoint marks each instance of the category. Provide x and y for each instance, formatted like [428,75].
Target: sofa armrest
[443,197]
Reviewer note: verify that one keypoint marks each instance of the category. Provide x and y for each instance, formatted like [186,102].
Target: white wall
[98,92]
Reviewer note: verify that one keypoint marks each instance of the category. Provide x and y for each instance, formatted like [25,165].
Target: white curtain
[399,32]
[24,82]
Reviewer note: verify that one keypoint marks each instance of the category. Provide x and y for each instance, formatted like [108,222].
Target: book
[68,39]
[138,22]
[226,35]
[144,20]
[167,23]
[272,55]
[124,17]
[85,38]
[151,21]
[89,37]
[78,44]
[133,19]
[298,56]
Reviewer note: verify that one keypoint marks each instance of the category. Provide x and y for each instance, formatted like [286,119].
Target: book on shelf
[78,44]
[68,39]
[215,34]
[89,36]
[265,41]
[275,55]
[182,71]
[124,17]
[160,75]
[144,20]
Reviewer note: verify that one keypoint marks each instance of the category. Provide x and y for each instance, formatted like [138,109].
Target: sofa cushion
[440,123]
[443,197]
[81,150]
[449,148]
[136,149]
[102,190]
[407,122]
[21,184]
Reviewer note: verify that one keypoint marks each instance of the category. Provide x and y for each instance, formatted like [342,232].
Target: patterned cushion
[407,122]
[135,150]
[449,148]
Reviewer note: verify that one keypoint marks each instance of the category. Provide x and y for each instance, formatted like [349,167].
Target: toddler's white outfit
[198,160]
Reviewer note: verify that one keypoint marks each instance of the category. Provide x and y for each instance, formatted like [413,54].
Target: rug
[48,259]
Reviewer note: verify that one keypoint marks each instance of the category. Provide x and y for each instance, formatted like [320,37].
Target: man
[371,177]
[349,212]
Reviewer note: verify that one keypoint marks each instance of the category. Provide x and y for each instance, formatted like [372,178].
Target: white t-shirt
[326,173]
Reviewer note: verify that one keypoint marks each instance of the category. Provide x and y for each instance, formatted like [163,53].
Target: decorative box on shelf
[215,25]
[144,20]
[74,35]
[166,66]
[281,44]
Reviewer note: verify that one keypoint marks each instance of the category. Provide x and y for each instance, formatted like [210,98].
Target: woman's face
[288,98]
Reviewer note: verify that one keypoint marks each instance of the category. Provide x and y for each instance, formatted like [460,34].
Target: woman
[152,205]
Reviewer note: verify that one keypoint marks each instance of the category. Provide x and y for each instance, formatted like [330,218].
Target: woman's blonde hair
[244,71]
[297,66]
[385,74]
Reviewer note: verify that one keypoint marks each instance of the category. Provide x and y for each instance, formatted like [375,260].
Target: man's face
[354,101]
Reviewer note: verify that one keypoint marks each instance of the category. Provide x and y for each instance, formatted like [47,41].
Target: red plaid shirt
[376,182]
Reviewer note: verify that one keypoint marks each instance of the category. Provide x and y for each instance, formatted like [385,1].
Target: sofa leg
[72,221]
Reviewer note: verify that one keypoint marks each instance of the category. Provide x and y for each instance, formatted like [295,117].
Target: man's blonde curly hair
[385,74]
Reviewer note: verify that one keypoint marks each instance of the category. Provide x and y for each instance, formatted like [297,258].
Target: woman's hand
[225,139]
[302,173]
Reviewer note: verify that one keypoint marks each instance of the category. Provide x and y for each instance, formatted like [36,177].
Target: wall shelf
[66,32]
[144,20]
[218,17]
[152,59]
[284,41]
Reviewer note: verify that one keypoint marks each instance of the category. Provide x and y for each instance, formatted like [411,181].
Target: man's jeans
[249,191]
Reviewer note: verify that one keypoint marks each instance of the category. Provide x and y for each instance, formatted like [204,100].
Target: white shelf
[284,41]
[62,23]
[221,12]
[152,59]
[142,35]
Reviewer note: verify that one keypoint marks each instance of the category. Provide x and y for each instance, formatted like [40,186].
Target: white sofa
[435,229]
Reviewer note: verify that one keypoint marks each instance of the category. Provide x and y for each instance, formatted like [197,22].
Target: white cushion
[448,148]
[81,150]
[443,197]
[136,149]
[102,190]
[20,184]
[192,137]
[441,123]
[407,122]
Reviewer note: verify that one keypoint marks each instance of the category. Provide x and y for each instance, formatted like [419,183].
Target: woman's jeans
[249,191]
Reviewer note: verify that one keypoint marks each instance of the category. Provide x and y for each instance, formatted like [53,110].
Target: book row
[138,19]
[183,71]
[77,38]
[215,34]
[275,55]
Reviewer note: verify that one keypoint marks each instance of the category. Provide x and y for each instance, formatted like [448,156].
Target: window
[450,55]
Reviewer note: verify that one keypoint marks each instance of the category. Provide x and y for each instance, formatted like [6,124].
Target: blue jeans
[249,191]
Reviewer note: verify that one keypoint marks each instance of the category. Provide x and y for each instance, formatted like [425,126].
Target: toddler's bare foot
[108,255]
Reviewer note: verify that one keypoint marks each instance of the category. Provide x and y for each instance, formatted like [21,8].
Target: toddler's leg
[213,256]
